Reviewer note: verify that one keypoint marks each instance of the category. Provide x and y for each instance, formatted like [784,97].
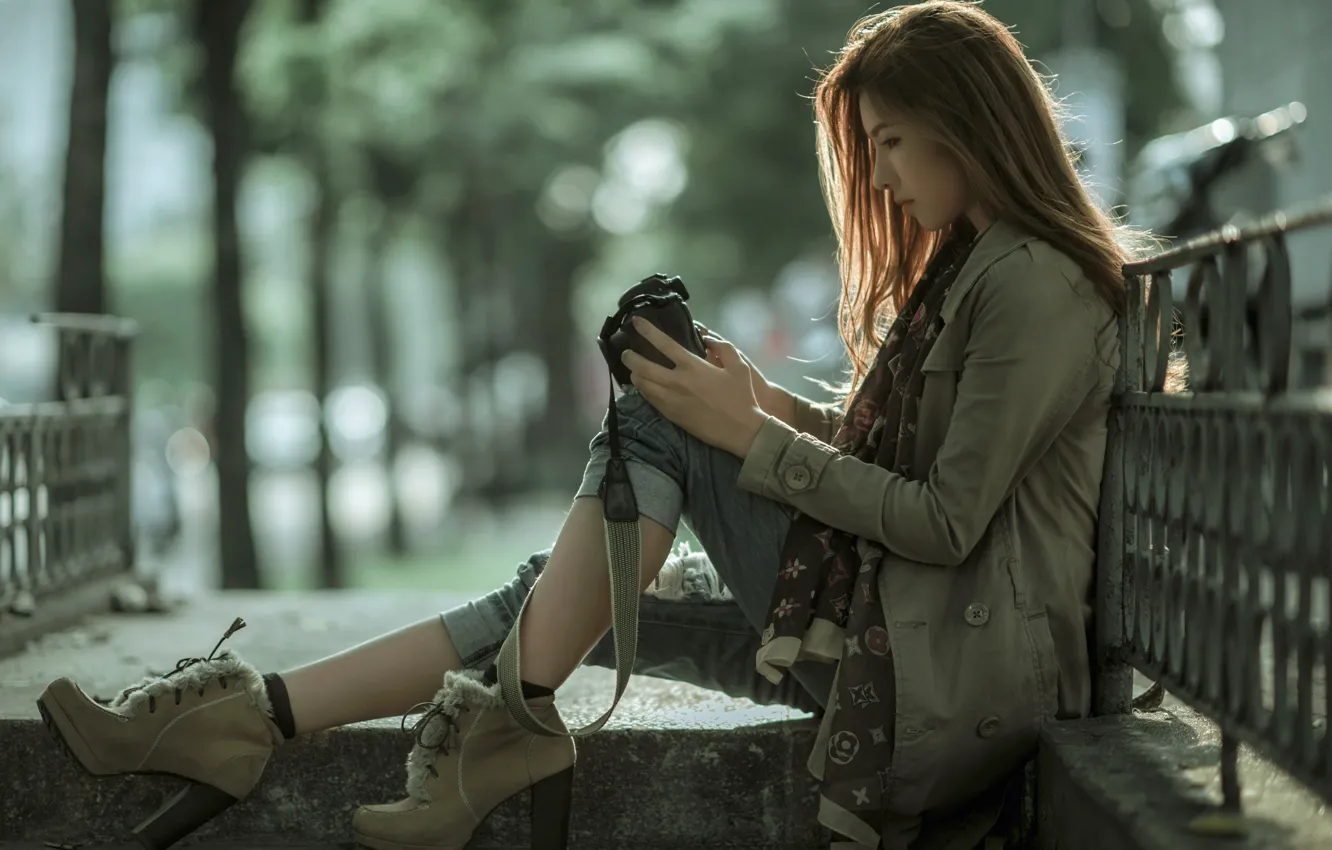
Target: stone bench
[678,767]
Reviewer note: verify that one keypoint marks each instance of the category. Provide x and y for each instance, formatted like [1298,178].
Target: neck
[979,218]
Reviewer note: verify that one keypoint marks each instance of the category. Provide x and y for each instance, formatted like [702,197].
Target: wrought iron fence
[65,524]
[1216,537]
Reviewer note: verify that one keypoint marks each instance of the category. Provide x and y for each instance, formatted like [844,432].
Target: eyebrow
[882,125]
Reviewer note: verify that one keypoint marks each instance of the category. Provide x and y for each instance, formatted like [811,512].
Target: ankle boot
[209,721]
[469,757]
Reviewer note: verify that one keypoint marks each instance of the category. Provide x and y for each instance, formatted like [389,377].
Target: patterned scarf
[826,604]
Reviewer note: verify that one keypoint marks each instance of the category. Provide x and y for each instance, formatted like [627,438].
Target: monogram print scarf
[826,604]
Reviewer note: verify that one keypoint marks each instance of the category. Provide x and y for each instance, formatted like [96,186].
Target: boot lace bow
[181,666]
[448,727]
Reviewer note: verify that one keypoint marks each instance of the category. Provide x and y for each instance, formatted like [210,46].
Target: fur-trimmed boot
[209,721]
[470,756]
[688,576]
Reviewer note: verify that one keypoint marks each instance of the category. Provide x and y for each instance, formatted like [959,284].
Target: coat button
[977,614]
[987,727]
[796,477]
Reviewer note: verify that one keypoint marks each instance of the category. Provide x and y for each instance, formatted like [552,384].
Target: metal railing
[65,466]
[1216,520]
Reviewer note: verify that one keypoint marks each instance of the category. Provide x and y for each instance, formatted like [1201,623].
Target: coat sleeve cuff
[764,453]
[783,462]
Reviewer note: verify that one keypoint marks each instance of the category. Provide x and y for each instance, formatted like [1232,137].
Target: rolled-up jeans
[703,641]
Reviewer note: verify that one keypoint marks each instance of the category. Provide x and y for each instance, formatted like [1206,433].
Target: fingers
[709,335]
[641,367]
[654,392]
[724,354]
[712,341]
[720,353]
[674,351]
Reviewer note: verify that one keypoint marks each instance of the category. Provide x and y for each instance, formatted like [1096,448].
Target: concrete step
[679,767]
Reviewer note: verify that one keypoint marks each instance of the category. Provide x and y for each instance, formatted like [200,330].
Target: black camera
[661,300]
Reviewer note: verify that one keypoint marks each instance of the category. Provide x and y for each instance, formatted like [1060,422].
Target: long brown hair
[960,75]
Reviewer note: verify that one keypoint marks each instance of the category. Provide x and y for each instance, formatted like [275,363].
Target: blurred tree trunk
[378,321]
[394,183]
[217,31]
[510,327]
[332,569]
[484,333]
[81,266]
[556,433]
[466,237]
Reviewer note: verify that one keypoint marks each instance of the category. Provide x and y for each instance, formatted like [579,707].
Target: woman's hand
[772,399]
[714,400]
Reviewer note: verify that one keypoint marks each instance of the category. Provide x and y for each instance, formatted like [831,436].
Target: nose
[884,178]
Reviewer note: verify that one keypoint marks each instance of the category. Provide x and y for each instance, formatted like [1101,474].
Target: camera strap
[624,545]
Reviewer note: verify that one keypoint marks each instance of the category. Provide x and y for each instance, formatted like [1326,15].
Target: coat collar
[998,241]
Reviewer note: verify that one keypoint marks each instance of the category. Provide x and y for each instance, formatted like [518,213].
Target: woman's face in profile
[916,171]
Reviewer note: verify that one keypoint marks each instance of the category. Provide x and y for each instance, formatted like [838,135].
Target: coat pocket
[1045,664]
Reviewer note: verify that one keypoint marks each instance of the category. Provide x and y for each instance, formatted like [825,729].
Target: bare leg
[383,677]
[568,614]
[570,607]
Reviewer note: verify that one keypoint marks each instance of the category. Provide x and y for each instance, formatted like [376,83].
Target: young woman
[918,557]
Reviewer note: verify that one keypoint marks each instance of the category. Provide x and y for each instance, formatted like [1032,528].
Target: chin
[932,224]
[929,225]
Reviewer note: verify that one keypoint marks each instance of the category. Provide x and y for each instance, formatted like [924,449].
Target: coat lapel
[997,242]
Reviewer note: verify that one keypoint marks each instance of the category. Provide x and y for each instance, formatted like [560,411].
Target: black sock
[530,691]
[277,695]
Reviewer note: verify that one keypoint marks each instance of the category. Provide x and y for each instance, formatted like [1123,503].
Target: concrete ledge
[1135,782]
[57,611]
[679,767]
[637,788]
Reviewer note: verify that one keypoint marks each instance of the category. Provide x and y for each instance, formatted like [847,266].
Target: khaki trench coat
[987,584]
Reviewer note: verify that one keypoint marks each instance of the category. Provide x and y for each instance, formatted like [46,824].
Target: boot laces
[183,665]
[434,710]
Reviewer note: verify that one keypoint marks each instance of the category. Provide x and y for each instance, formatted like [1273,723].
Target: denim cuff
[658,496]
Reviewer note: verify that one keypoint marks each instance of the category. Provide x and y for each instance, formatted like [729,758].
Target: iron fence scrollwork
[1216,533]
